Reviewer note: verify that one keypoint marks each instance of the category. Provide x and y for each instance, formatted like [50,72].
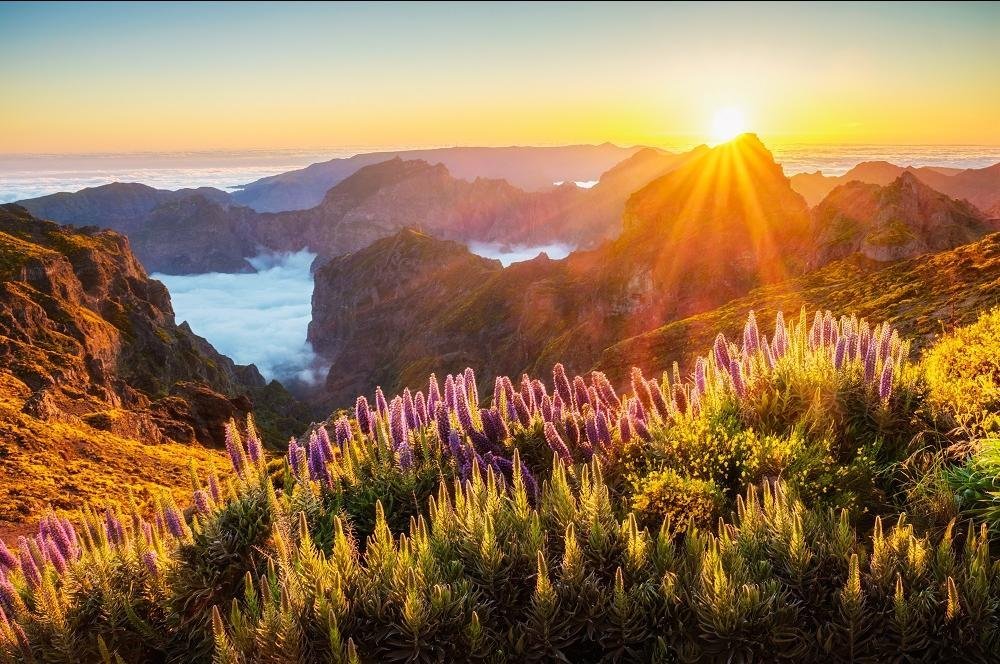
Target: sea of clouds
[259,318]
[508,254]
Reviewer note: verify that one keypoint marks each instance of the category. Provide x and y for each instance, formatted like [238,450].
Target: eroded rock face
[94,340]
[903,219]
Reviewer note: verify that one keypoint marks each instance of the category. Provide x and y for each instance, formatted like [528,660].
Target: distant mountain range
[196,231]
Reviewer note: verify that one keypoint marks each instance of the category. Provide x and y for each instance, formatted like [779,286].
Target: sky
[121,77]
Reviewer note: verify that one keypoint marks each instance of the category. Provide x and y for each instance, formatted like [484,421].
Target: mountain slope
[720,225]
[529,168]
[91,357]
[979,186]
[903,219]
[924,296]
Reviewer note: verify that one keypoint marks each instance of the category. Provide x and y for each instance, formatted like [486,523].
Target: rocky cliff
[903,219]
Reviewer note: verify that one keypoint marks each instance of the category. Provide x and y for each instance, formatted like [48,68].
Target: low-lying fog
[507,254]
[258,318]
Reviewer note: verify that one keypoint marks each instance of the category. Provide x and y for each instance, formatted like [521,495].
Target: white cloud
[507,254]
[257,318]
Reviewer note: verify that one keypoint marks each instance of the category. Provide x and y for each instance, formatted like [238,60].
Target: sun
[727,124]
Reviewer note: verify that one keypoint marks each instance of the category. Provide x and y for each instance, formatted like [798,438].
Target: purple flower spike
[433,395]
[455,445]
[680,399]
[149,560]
[214,488]
[840,354]
[55,556]
[362,415]
[885,383]
[442,421]
[174,521]
[409,410]
[405,456]
[700,380]
[751,336]
[870,363]
[736,374]
[397,423]
[8,595]
[235,450]
[449,392]
[547,408]
[420,404]
[28,565]
[202,503]
[381,406]
[113,528]
[640,388]
[470,386]
[580,393]
[293,457]
[624,427]
[659,403]
[521,408]
[590,428]
[561,384]
[342,430]
[641,430]
[557,408]
[7,560]
[464,410]
[605,390]
[556,443]
[721,350]
[603,430]
[324,441]
[255,449]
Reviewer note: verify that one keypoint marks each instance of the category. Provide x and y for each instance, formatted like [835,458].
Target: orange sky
[84,78]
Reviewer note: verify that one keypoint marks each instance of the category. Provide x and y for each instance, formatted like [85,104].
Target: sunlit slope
[923,296]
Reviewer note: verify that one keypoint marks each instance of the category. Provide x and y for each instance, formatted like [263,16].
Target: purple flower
[768,355]
[751,336]
[500,430]
[521,408]
[202,503]
[530,485]
[8,595]
[455,445]
[828,329]
[557,408]
[603,430]
[420,405]
[324,441]
[605,390]
[736,374]
[29,568]
[528,393]
[659,404]
[885,342]
[113,528]
[342,430]
[175,522]
[885,383]
[234,449]
[816,332]
[640,388]
[556,444]
[780,341]
[449,392]
[572,428]
[547,408]
[255,449]
[680,398]
[641,430]
[470,386]
[150,561]
[404,455]
[397,423]
[317,461]
[464,409]
[624,427]
[363,415]
[580,392]
[590,427]
[561,384]
[381,406]
[7,559]
[409,410]
[700,380]
[214,488]
[721,350]
[870,363]
[442,421]
[55,556]
[433,394]
[293,458]
[840,353]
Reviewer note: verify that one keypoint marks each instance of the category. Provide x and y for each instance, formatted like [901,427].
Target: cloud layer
[508,254]
[257,318]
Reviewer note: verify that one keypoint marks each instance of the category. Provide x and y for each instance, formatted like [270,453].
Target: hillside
[903,219]
[94,368]
[726,219]
[528,168]
[923,296]
[979,186]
